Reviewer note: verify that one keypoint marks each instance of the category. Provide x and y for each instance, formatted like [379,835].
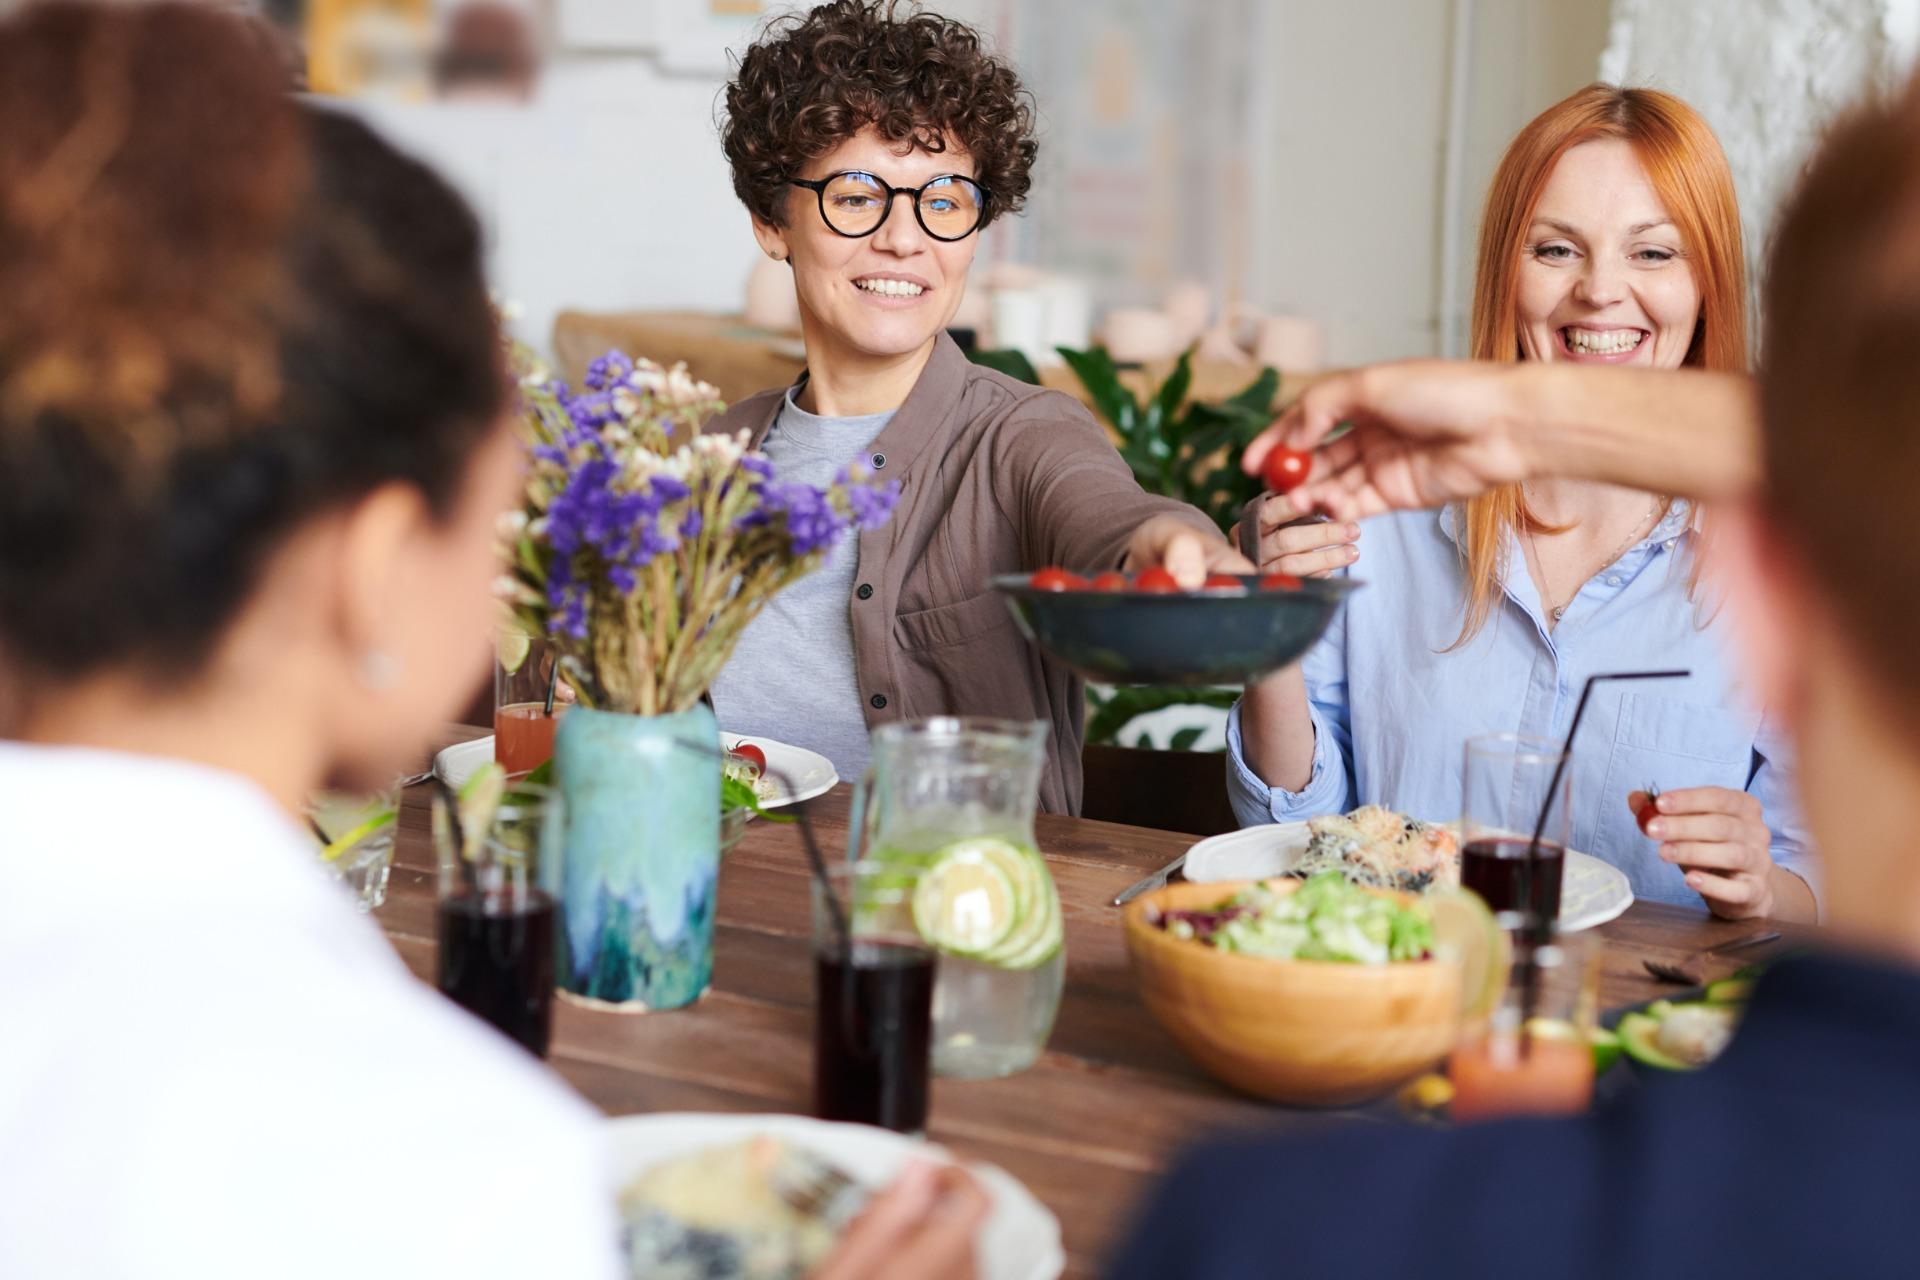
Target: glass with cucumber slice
[355,838]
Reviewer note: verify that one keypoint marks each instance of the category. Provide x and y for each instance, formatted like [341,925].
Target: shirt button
[1613,582]
[866,591]
[1668,544]
[879,461]
[879,701]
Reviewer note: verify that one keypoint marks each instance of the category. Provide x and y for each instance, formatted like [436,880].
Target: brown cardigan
[996,476]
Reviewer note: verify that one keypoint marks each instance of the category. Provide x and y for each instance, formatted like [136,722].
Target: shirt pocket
[944,626]
[1672,745]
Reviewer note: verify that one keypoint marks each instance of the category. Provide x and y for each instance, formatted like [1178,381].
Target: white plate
[1021,1238]
[1592,893]
[812,774]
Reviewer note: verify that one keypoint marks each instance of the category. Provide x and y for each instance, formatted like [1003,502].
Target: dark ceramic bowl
[1216,636]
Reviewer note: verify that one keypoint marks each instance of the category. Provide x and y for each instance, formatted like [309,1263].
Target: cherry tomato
[1110,582]
[1051,579]
[1279,582]
[1648,813]
[747,751]
[1286,469]
[1155,581]
[1223,580]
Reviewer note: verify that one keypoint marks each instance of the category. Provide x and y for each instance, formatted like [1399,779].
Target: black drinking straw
[553,685]
[1536,929]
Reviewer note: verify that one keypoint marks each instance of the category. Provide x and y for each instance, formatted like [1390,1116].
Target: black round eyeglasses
[854,203]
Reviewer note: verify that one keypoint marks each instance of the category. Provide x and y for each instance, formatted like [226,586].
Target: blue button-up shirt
[1393,705]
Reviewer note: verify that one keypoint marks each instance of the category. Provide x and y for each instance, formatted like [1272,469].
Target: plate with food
[810,773]
[1377,846]
[1142,629]
[764,1197]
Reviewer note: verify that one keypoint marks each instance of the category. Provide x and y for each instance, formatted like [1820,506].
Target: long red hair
[1689,173]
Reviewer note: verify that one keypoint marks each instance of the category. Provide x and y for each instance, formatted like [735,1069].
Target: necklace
[1558,612]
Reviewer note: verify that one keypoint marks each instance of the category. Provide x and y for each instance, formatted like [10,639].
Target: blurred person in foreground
[871,145]
[254,434]
[1793,1154]
[1611,238]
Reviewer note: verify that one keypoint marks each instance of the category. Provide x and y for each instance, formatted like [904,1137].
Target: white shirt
[212,1066]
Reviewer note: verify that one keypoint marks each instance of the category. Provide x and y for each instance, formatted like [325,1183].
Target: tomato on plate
[1109,581]
[1279,582]
[1286,469]
[1223,580]
[747,751]
[1155,581]
[1052,579]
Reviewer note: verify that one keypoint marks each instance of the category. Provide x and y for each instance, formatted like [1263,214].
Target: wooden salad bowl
[1309,1032]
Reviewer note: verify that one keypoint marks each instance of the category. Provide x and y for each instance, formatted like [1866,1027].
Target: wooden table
[1086,1129]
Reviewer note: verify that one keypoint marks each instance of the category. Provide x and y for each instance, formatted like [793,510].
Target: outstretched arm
[1429,432]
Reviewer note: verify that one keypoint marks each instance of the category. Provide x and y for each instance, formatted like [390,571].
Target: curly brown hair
[812,81]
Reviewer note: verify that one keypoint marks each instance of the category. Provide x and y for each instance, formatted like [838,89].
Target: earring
[378,671]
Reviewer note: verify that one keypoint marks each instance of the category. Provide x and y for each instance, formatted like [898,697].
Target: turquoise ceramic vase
[643,855]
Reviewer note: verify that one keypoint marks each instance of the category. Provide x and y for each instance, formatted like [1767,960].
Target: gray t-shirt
[791,676]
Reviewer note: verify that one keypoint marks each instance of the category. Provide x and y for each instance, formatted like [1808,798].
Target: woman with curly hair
[869,146]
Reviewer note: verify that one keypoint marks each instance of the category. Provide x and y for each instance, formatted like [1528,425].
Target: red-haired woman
[1611,237]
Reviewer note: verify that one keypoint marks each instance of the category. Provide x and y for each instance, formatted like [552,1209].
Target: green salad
[1326,918]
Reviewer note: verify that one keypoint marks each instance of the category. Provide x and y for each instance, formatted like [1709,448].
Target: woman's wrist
[1793,899]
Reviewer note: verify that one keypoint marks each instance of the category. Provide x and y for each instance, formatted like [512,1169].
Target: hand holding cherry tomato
[1719,838]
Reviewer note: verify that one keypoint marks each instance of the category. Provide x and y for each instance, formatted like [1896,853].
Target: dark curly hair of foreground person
[812,81]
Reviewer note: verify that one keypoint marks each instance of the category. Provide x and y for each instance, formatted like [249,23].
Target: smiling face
[878,296]
[1605,278]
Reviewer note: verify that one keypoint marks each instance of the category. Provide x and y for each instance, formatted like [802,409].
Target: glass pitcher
[949,803]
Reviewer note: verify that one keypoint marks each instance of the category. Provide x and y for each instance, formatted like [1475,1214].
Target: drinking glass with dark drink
[873,1005]
[499,895]
[524,721]
[1508,780]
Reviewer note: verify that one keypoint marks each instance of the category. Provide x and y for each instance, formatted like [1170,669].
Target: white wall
[609,194]
[1768,75]
[1357,104]
[612,192]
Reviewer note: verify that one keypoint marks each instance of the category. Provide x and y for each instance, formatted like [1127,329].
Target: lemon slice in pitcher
[1466,933]
[968,900]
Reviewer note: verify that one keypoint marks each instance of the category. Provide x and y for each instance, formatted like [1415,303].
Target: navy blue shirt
[1797,1154]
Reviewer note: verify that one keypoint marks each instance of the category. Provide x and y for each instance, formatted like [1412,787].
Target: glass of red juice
[498,917]
[1531,1053]
[1510,778]
[523,727]
[873,1001]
